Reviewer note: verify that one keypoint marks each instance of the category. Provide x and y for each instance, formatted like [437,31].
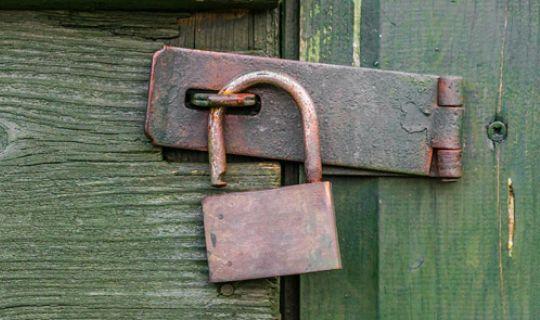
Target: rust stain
[185,21]
[450,91]
[224,100]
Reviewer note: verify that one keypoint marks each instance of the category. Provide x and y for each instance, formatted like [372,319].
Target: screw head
[226,289]
[497,131]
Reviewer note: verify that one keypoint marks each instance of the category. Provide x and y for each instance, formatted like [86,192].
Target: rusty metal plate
[369,119]
[269,233]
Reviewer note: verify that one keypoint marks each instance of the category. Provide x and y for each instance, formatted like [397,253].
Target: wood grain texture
[329,33]
[94,224]
[519,160]
[350,293]
[290,32]
[443,245]
[141,5]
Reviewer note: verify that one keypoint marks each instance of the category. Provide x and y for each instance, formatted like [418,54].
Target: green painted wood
[94,224]
[330,33]
[131,5]
[443,245]
[519,160]
[350,293]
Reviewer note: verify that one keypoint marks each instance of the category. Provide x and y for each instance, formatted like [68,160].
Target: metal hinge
[447,128]
[380,121]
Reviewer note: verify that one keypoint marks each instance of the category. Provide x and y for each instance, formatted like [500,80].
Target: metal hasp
[370,119]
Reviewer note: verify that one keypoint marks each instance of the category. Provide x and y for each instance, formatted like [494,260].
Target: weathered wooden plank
[443,246]
[330,33]
[519,161]
[290,34]
[131,5]
[94,224]
[350,293]
[438,242]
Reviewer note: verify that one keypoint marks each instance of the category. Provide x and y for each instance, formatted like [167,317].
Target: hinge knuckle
[447,123]
[450,91]
[449,163]
[447,127]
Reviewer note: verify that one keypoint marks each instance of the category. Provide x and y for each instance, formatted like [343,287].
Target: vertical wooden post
[330,33]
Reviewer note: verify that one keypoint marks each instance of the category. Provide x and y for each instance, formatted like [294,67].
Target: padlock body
[259,234]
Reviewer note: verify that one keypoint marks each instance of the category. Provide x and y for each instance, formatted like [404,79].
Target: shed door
[96,223]
[425,249]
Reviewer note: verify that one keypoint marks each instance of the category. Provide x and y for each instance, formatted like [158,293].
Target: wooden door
[425,249]
[96,223]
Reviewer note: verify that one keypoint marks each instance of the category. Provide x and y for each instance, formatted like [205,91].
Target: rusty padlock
[276,232]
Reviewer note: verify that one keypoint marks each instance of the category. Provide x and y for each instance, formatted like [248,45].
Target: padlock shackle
[310,123]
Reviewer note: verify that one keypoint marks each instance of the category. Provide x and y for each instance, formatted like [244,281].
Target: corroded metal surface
[209,100]
[449,163]
[447,128]
[369,119]
[268,233]
[277,232]
[308,115]
[450,91]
